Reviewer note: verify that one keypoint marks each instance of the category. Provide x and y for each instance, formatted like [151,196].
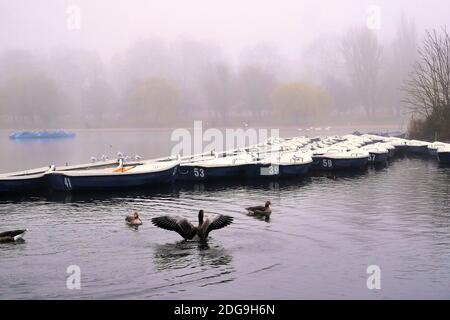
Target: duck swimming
[260,211]
[12,236]
[187,230]
[133,220]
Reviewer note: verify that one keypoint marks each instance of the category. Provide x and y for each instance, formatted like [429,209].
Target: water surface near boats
[324,232]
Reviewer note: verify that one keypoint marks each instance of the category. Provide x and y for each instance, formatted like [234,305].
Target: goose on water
[260,211]
[187,230]
[12,236]
[133,220]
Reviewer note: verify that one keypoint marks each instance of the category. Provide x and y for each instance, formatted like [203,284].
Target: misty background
[104,64]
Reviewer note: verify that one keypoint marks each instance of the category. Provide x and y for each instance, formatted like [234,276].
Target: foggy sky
[109,27]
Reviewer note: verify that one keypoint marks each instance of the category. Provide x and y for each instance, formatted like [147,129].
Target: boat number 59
[327,163]
[198,172]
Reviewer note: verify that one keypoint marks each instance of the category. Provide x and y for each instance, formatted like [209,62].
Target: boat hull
[62,182]
[443,157]
[391,153]
[401,149]
[329,164]
[28,184]
[433,152]
[378,158]
[422,150]
[272,170]
[295,170]
[201,173]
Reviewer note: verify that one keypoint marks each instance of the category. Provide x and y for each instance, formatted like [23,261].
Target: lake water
[324,232]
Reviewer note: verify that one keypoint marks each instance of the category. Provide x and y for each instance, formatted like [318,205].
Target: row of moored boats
[275,158]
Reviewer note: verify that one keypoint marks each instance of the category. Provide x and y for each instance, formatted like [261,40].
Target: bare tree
[427,88]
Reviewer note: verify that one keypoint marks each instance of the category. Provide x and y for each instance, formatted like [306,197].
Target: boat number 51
[198,172]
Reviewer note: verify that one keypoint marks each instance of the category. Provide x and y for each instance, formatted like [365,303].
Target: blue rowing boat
[41,135]
[124,175]
[23,181]
[355,159]
[279,165]
[214,167]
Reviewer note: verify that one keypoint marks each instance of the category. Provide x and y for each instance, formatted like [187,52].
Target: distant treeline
[350,77]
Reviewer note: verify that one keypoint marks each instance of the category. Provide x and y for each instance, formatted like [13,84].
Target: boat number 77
[199,172]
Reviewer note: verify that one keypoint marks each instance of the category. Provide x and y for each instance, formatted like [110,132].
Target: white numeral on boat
[270,171]
[198,172]
[275,169]
[67,183]
[327,163]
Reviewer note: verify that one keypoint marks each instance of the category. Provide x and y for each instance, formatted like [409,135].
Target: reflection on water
[190,254]
[91,196]
[190,264]
[261,218]
[134,228]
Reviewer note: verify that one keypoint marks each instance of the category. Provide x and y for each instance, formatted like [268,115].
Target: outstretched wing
[183,227]
[218,222]
[12,234]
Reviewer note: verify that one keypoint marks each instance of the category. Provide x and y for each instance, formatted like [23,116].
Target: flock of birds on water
[182,226]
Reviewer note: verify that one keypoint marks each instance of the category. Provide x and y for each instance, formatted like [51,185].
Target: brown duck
[261,211]
[133,220]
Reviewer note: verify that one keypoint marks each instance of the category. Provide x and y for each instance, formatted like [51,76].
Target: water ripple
[324,232]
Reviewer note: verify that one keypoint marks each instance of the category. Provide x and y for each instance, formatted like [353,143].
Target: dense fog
[96,64]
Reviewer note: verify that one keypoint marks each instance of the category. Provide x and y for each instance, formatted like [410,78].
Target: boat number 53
[198,172]
[327,163]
